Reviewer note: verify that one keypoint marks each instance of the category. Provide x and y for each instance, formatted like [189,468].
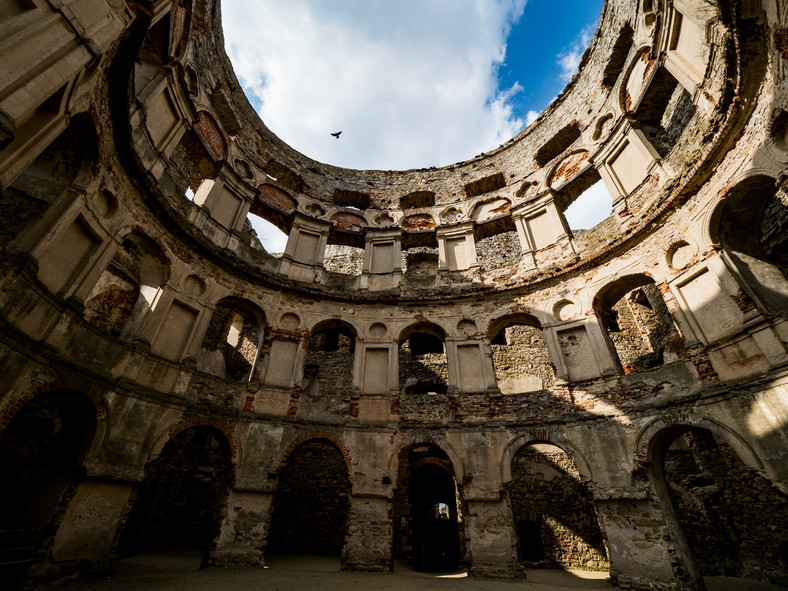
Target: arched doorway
[39,453]
[427,512]
[312,502]
[178,503]
[725,518]
[553,512]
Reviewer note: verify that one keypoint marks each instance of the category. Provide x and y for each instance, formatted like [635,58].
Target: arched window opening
[39,452]
[265,236]
[639,324]
[751,225]
[420,265]
[190,164]
[665,111]
[232,340]
[154,52]
[591,206]
[553,510]
[428,513]
[330,356]
[618,56]
[312,502]
[422,361]
[520,356]
[703,484]
[126,290]
[178,504]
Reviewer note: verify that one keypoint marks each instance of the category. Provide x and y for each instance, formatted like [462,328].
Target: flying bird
[336,135]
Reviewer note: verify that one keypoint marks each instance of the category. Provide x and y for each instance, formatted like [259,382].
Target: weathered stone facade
[423,332]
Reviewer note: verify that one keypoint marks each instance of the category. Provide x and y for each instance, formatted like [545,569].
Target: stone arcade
[437,369]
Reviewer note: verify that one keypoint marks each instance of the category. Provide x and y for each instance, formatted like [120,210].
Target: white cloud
[569,59]
[410,83]
[590,208]
[271,237]
[531,116]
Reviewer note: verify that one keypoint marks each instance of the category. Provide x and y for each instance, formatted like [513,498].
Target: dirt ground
[179,571]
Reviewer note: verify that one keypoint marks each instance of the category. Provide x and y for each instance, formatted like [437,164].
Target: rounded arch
[746,225]
[736,202]
[661,431]
[334,324]
[612,291]
[12,406]
[157,270]
[424,327]
[212,135]
[445,446]
[560,441]
[244,306]
[312,435]
[499,323]
[220,426]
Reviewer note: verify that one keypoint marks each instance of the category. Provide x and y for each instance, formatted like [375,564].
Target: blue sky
[411,83]
[542,51]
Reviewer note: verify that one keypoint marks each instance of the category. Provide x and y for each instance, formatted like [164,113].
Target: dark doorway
[178,503]
[732,518]
[40,451]
[427,513]
[312,502]
[436,536]
[531,544]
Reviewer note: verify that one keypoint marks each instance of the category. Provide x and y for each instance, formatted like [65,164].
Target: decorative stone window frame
[389,278]
[626,135]
[685,13]
[685,315]
[297,267]
[69,207]
[546,207]
[165,87]
[454,381]
[208,197]
[600,345]
[460,232]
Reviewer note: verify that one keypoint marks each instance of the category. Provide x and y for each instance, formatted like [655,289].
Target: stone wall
[178,503]
[734,520]
[546,489]
[312,502]
[523,363]
[332,369]
[643,329]
[499,252]
[774,230]
[347,260]
[417,372]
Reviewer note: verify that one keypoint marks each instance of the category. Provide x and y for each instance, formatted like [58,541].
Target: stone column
[88,529]
[490,538]
[370,534]
[642,552]
[244,529]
